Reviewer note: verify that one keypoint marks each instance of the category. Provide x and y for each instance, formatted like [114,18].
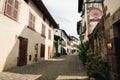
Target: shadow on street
[67,67]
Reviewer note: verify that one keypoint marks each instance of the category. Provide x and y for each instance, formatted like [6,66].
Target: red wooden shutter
[30,19]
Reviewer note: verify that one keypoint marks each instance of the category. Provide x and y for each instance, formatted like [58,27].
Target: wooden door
[42,52]
[49,52]
[23,52]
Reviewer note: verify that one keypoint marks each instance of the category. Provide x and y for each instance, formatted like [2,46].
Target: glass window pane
[9,10]
[15,14]
[16,4]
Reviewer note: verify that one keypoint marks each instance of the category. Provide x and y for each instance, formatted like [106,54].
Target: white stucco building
[74,42]
[26,33]
[63,41]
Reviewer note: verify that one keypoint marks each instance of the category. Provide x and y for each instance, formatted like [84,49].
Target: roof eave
[39,4]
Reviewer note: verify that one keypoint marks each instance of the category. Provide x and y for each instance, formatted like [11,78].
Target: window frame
[13,9]
[31,21]
[43,32]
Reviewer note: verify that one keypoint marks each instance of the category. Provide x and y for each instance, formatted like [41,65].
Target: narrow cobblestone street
[67,67]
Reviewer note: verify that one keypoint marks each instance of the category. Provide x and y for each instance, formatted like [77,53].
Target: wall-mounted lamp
[109,46]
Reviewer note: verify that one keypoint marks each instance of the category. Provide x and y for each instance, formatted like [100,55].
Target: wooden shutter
[43,30]
[49,35]
[31,21]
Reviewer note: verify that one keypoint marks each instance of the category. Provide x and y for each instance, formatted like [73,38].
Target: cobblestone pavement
[67,67]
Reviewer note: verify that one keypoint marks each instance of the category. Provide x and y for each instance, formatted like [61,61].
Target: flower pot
[92,78]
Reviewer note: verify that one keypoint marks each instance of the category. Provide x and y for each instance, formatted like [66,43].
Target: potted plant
[82,51]
[96,67]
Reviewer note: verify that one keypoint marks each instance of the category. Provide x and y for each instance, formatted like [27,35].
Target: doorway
[22,59]
[49,52]
[42,52]
[117,45]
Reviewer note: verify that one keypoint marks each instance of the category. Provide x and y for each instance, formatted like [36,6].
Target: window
[43,30]
[11,9]
[49,34]
[44,18]
[31,21]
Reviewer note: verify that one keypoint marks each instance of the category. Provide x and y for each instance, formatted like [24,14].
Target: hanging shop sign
[95,13]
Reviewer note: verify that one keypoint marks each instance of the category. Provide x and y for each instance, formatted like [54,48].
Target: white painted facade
[63,36]
[11,30]
[74,42]
[57,32]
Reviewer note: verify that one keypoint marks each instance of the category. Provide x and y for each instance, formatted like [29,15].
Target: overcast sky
[65,13]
